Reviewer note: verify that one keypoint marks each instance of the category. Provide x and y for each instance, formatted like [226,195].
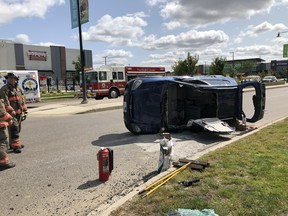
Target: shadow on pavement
[90,184]
[205,138]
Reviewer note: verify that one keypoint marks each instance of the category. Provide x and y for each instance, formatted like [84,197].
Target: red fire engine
[110,80]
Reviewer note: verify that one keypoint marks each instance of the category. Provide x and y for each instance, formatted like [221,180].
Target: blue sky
[153,32]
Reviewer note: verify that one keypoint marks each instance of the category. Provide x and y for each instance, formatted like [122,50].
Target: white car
[252,78]
[269,79]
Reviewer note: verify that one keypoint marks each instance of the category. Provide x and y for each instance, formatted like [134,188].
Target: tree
[233,72]
[247,67]
[187,66]
[217,66]
[77,66]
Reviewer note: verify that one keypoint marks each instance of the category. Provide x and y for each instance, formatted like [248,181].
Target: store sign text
[37,55]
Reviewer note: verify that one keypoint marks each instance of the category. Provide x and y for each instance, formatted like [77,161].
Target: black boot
[17,150]
[7,166]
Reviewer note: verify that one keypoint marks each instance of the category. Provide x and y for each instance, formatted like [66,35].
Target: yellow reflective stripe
[14,98]
[4,124]
[4,161]
[9,108]
[18,111]
[7,117]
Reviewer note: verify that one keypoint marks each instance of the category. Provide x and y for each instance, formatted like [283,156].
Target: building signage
[37,55]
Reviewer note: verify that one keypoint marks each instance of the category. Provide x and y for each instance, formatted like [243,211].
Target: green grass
[248,177]
[57,96]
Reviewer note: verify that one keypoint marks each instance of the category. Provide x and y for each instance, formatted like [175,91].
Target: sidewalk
[71,107]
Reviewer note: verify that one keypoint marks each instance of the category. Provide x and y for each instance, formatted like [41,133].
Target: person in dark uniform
[5,121]
[14,102]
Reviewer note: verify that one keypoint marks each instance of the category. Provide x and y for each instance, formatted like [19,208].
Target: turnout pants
[3,143]
[14,132]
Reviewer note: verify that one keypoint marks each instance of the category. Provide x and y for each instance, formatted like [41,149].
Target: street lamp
[82,56]
[279,33]
[284,52]
[105,59]
[232,59]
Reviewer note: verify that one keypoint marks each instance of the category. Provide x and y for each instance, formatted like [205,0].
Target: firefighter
[14,102]
[5,120]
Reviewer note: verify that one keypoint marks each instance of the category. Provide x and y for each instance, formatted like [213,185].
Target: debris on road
[166,147]
[189,183]
[154,186]
[194,164]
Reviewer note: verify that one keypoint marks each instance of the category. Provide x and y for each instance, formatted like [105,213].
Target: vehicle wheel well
[112,92]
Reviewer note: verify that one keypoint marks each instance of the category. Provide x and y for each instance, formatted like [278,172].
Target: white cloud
[254,31]
[191,40]
[113,56]
[205,12]
[154,2]
[173,25]
[118,53]
[47,44]
[270,52]
[13,9]
[164,59]
[22,38]
[121,31]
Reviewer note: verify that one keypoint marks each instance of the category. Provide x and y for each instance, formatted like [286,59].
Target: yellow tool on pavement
[151,188]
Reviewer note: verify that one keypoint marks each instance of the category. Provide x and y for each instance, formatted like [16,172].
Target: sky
[153,32]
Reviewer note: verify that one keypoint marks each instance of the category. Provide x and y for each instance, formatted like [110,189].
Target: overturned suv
[154,104]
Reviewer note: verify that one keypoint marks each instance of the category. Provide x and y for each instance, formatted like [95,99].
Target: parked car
[270,79]
[252,78]
[153,104]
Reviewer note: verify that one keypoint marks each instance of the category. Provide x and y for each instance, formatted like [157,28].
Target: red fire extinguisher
[105,162]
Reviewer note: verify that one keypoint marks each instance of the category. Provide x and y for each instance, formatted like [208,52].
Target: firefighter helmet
[11,74]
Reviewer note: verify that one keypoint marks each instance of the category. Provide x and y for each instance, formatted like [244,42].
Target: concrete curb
[101,109]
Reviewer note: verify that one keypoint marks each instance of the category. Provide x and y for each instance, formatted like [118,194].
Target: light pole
[232,61]
[279,33]
[84,101]
[105,59]
[284,54]
[232,58]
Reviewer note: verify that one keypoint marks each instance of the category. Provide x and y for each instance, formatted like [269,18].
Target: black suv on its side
[153,104]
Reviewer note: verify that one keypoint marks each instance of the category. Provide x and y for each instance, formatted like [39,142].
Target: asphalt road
[57,173]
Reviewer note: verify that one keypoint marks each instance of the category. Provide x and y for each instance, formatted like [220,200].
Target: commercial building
[281,67]
[55,62]
[252,66]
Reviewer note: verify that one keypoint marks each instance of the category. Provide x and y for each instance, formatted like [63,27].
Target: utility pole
[84,101]
[285,53]
[232,59]
[105,59]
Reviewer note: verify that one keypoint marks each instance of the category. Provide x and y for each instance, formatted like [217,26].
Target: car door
[258,101]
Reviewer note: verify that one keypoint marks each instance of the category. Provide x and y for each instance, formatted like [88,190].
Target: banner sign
[84,12]
[285,51]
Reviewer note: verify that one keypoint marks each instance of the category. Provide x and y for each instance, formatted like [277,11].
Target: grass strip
[248,177]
